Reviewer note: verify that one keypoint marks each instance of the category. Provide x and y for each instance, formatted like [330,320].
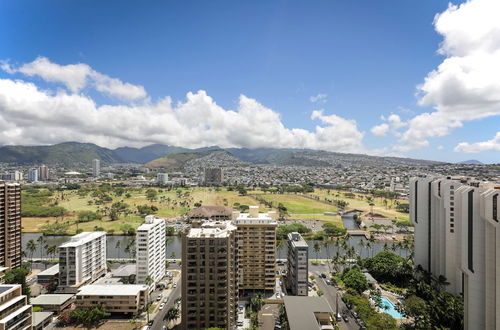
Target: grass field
[173,203]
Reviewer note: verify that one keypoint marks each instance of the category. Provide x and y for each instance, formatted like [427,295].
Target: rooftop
[216,229]
[297,240]
[302,312]
[40,317]
[54,270]
[111,290]
[83,238]
[51,299]
[124,270]
[253,217]
[149,222]
[7,287]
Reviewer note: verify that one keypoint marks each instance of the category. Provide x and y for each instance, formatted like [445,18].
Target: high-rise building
[209,276]
[10,225]
[256,238]
[457,235]
[82,259]
[43,173]
[162,178]
[33,175]
[214,176]
[297,265]
[15,313]
[150,250]
[96,168]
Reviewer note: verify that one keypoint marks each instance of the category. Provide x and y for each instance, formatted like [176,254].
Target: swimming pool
[389,308]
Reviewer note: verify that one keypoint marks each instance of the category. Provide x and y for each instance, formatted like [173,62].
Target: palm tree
[41,241]
[172,314]
[149,280]
[279,245]
[118,246]
[31,247]
[361,246]
[316,248]
[52,251]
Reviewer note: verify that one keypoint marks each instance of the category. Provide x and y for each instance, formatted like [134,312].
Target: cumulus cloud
[394,122]
[490,145]
[32,115]
[465,86]
[320,98]
[76,77]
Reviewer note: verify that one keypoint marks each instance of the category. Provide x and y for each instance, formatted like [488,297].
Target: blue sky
[366,57]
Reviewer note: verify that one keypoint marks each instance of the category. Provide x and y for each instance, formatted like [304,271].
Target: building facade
[150,250]
[33,175]
[256,239]
[297,265]
[15,313]
[43,173]
[214,176]
[114,298]
[457,235]
[162,178]
[82,260]
[96,168]
[10,225]
[209,276]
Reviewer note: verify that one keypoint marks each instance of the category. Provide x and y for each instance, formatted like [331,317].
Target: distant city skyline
[388,78]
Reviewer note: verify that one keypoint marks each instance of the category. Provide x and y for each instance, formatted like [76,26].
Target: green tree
[31,247]
[355,279]
[151,195]
[172,314]
[18,276]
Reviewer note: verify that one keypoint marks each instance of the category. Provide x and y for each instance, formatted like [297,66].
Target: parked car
[165,299]
[323,275]
[159,297]
[161,306]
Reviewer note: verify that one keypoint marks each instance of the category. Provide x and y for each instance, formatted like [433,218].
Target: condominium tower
[150,250]
[96,168]
[297,265]
[457,235]
[256,239]
[43,173]
[10,225]
[82,259]
[214,176]
[209,276]
[15,313]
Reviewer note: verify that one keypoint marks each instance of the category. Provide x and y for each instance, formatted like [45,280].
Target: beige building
[114,298]
[209,276]
[309,313]
[256,239]
[15,313]
[10,225]
[457,235]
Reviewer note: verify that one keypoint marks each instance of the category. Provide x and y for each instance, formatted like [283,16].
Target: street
[330,295]
[158,318]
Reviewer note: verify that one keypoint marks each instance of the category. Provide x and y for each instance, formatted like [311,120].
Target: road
[158,319]
[330,295]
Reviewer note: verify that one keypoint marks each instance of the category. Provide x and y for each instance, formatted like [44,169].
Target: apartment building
[10,225]
[114,298]
[214,176]
[256,239]
[43,173]
[33,175]
[209,276]
[82,259]
[457,235]
[150,250]
[15,313]
[297,265]
[96,168]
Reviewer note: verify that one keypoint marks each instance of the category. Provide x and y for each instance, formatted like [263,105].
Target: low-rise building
[210,212]
[15,313]
[49,275]
[124,298]
[52,302]
[308,313]
[41,320]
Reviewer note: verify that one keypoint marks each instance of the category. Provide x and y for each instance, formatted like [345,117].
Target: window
[495,207]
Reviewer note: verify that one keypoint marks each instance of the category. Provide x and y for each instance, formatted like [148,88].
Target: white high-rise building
[150,250]
[96,168]
[162,178]
[82,259]
[33,175]
[457,235]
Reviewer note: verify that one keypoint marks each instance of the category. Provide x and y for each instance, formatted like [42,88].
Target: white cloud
[31,115]
[490,145]
[76,77]
[393,124]
[465,86]
[440,147]
[320,98]
[380,130]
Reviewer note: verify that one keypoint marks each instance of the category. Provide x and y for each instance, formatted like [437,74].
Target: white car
[175,285]
[161,306]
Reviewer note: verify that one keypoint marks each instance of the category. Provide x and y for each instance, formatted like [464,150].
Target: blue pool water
[389,308]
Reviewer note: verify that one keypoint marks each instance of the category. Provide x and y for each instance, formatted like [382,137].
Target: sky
[391,77]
